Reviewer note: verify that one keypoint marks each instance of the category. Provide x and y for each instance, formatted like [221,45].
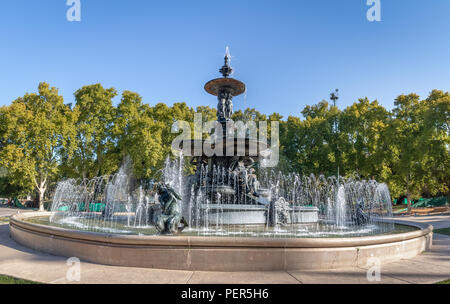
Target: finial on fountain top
[334,96]
[226,70]
[226,84]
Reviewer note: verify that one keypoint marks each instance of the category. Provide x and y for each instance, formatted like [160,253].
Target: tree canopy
[36,127]
[43,140]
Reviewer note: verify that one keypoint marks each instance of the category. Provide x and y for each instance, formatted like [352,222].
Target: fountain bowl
[220,253]
[214,86]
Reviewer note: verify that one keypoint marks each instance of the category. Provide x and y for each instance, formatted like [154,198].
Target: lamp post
[334,96]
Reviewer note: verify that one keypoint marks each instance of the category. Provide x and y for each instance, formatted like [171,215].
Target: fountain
[231,214]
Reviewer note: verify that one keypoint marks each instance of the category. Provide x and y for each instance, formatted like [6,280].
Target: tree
[436,142]
[291,143]
[248,115]
[36,128]
[138,135]
[208,113]
[166,117]
[317,142]
[406,147]
[94,154]
[42,140]
[362,127]
[7,189]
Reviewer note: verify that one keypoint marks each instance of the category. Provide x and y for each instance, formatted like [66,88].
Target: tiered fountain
[225,188]
[235,215]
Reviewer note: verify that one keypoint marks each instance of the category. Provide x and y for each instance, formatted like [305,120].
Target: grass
[445,231]
[444,282]
[11,280]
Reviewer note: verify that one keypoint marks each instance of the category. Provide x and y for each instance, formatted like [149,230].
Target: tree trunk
[408,199]
[41,190]
[41,200]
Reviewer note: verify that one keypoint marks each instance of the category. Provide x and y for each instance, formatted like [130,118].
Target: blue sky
[289,53]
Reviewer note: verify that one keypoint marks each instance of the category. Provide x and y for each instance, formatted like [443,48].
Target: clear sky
[289,53]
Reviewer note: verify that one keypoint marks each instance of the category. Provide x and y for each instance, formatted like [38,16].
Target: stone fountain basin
[219,253]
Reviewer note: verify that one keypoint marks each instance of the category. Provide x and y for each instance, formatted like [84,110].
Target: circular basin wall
[219,253]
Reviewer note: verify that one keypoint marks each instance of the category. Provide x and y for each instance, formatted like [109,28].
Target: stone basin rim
[17,221]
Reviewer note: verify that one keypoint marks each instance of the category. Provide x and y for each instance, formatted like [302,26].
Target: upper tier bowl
[236,87]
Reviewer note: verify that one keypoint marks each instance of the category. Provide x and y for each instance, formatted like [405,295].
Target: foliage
[7,189]
[363,127]
[95,118]
[417,141]
[36,128]
[42,140]
[138,135]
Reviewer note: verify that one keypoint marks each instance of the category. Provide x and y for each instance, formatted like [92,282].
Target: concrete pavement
[21,262]
[438,221]
[6,212]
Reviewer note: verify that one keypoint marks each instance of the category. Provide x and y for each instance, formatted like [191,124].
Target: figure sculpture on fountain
[252,183]
[228,107]
[225,105]
[170,220]
[221,106]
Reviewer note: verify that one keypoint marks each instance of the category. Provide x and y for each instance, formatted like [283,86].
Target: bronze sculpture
[169,221]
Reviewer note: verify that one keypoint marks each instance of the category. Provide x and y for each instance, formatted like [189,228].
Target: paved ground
[7,211]
[438,221]
[21,262]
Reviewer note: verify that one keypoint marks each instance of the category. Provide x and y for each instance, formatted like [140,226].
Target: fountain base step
[219,253]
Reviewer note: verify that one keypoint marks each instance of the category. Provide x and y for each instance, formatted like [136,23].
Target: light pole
[334,96]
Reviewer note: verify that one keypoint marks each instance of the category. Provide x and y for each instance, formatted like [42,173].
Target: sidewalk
[430,267]
[5,211]
[438,221]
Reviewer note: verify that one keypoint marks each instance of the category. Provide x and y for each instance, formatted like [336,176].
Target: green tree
[291,143]
[8,189]
[362,129]
[36,128]
[138,135]
[436,142]
[407,148]
[167,116]
[317,142]
[208,114]
[94,154]
[248,115]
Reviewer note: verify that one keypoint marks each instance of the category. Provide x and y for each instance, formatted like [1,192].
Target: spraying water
[219,206]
